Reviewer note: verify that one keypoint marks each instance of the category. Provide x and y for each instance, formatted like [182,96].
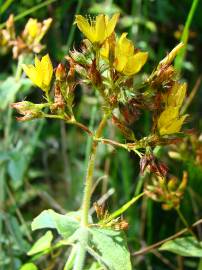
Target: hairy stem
[83,241]
[90,171]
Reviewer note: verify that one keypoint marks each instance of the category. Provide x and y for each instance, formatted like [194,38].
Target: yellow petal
[32,27]
[32,73]
[120,63]
[37,62]
[100,29]
[85,27]
[47,70]
[167,116]
[125,46]
[135,63]
[111,24]
[173,127]
[104,51]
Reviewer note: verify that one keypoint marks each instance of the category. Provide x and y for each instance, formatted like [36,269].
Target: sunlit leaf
[185,246]
[111,248]
[66,225]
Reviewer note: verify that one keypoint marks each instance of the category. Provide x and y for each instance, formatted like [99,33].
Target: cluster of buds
[150,162]
[28,41]
[168,192]
[106,222]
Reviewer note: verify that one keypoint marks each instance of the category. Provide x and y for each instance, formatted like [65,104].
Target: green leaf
[29,266]
[66,225]
[185,246]
[8,90]
[111,248]
[41,244]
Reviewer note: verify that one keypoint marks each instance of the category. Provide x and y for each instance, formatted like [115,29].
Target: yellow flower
[32,28]
[98,30]
[169,121]
[34,31]
[41,73]
[127,61]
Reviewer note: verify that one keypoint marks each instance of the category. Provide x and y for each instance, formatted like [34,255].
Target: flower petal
[125,46]
[110,24]
[100,28]
[32,73]
[85,27]
[135,63]
[174,127]
[47,70]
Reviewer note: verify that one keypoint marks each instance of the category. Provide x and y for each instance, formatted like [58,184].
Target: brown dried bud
[121,225]
[94,74]
[60,72]
[127,132]
[58,99]
[28,109]
[154,166]
[130,111]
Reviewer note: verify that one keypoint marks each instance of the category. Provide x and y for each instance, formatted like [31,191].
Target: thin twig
[111,142]
[154,246]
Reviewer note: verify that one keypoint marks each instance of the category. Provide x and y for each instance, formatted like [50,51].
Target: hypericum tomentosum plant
[107,64]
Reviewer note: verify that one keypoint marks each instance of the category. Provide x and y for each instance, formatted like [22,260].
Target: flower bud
[170,57]
[127,132]
[183,184]
[79,57]
[172,184]
[28,109]
[60,73]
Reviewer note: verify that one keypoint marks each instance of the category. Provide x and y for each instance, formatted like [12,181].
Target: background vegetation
[43,162]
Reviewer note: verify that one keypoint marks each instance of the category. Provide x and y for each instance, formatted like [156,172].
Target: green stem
[185,35]
[70,261]
[81,250]
[90,171]
[83,241]
[184,221]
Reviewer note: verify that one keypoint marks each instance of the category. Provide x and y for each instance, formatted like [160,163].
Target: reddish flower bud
[60,72]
